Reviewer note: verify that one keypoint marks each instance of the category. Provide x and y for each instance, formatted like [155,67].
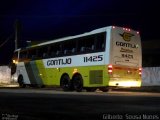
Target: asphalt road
[50,104]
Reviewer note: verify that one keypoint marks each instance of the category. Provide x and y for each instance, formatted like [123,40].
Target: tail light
[110,69]
[140,71]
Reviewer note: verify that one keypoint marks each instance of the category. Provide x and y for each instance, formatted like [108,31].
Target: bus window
[32,54]
[55,50]
[52,51]
[86,44]
[23,55]
[42,52]
[100,41]
[69,47]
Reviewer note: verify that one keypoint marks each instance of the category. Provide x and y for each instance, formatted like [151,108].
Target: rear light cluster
[126,29]
[110,69]
[140,71]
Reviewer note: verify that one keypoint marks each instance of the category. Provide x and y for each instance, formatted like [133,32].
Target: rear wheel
[21,82]
[78,83]
[65,85]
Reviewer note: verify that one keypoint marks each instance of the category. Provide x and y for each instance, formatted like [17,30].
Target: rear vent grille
[96,77]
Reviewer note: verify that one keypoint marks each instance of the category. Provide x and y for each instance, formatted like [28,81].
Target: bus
[101,59]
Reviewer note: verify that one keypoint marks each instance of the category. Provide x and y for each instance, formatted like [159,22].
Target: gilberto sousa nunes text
[131,117]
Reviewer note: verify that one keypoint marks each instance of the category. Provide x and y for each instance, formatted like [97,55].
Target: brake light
[110,69]
[140,71]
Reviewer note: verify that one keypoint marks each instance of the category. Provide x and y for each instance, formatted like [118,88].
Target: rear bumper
[125,83]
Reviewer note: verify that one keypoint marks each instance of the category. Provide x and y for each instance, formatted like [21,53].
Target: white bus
[103,58]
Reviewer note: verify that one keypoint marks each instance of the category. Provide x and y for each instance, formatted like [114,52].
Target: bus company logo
[127,36]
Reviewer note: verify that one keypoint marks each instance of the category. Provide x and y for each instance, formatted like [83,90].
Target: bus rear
[125,58]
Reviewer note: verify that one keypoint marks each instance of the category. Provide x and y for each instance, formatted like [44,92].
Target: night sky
[42,20]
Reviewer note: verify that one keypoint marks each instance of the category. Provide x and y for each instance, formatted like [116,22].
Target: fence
[151,76]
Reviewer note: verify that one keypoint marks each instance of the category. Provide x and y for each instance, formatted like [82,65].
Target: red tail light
[140,71]
[110,69]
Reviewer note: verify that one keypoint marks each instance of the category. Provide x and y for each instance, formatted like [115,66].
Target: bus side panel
[41,72]
[21,70]
[52,78]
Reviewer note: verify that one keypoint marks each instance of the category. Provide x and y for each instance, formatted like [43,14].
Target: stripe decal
[33,73]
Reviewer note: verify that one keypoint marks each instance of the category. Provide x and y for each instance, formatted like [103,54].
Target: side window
[55,50]
[69,47]
[23,55]
[42,52]
[100,41]
[86,44]
[32,54]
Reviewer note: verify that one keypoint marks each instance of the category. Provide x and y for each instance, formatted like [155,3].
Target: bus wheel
[91,89]
[78,83]
[104,89]
[21,81]
[65,82]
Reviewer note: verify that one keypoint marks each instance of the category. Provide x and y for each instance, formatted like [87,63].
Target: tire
[78,83]
[65,85]
[91,89]
[104,89]
[21,82]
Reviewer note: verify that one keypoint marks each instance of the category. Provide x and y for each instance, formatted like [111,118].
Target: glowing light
[127,29]
[15,61]
[137,32]
[75,70]
[110,69]
[110,66]
[113,27]
[140,71]
[125,83]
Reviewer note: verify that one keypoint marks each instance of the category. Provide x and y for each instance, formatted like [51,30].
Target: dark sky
[49,19]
